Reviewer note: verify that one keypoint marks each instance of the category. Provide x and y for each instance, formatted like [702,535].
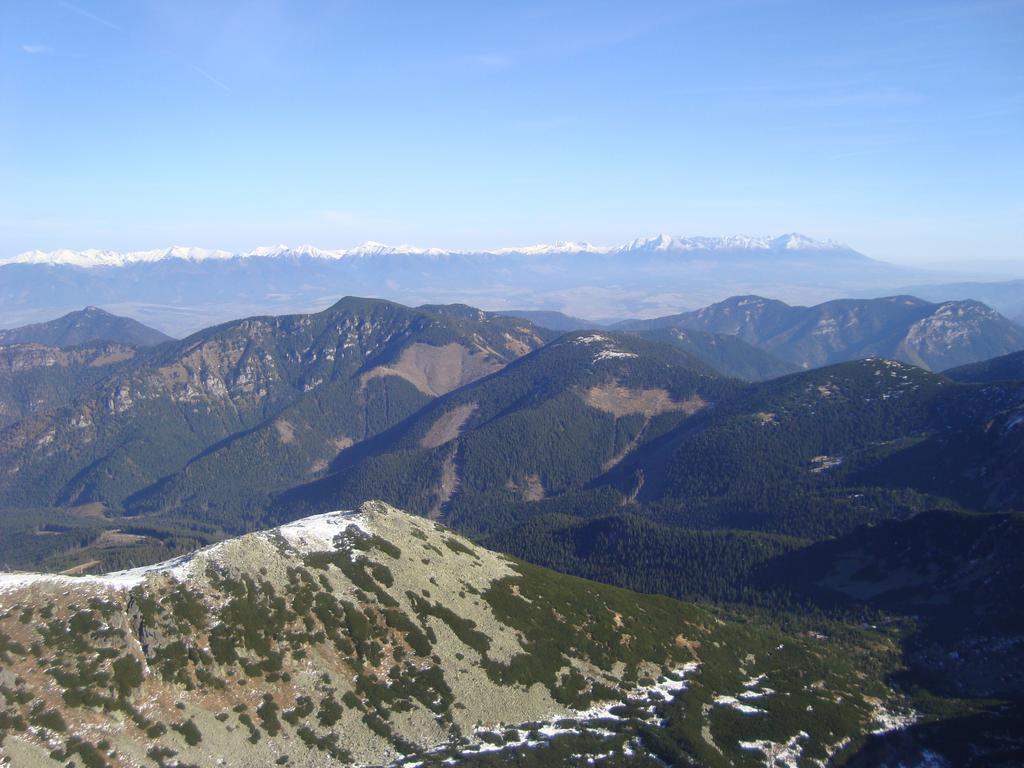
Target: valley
[827,519]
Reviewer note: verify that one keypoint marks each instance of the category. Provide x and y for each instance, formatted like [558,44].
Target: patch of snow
[756,693]
[778,755]
[611,354]
[665,689]
[316,533]
[825,463]
[309,534]
[739,706]
[886,720]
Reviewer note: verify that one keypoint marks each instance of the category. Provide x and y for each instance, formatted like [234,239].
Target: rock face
[35,378]
[372,637]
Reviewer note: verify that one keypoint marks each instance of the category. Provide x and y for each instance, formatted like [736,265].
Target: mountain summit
[82,327]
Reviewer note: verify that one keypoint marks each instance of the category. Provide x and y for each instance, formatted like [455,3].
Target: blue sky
[897,127]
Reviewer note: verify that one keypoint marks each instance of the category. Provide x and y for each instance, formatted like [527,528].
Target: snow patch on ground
[310,534]
[663,690]
[317,532]
[608,354]
[739,706]
[756,694]
[779,755]
[177,568]
[886,720]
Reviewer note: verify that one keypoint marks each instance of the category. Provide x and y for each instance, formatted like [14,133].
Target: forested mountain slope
[728,354]
[593,422]
[85,326]
[544,426]
[36,379]
[794,455]
[259,401]
[932,336]
[1002,368]
[958,574]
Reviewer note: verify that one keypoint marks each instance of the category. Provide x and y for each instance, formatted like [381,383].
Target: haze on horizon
[895,129]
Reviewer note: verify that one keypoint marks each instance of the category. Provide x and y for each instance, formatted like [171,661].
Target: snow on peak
[93,257]
[562,246]
[316,533]
[373,248]
[674,243]
[663,243]
[284,250]
[794,241]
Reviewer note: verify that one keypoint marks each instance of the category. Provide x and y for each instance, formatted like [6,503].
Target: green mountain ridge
[1003,368]
[262,400]
[545,425]
[727,354]
[816,502]
[381,638]
[904,328]
[85,326]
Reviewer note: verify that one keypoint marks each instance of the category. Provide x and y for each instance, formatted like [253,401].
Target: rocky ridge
[374,637]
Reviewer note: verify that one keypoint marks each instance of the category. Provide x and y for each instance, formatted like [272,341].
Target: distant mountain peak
[794,241]
[661,243]
[83,326]
[788,242]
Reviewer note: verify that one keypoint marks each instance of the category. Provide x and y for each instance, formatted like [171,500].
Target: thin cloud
[36,50]
[92,16]
[210,77]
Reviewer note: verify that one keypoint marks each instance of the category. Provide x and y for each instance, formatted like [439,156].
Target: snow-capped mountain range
[180,290]
[658,244]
